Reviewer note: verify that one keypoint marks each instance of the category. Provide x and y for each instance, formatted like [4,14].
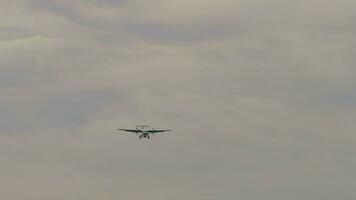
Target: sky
[261,96]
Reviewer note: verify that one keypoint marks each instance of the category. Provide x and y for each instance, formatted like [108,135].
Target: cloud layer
[260,95]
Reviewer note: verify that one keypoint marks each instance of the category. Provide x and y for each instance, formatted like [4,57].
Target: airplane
[143,132]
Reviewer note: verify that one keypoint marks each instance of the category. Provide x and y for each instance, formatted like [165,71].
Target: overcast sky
[261,96]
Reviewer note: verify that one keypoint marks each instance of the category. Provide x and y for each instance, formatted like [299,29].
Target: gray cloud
[260,96]
[173,33]
[72,110]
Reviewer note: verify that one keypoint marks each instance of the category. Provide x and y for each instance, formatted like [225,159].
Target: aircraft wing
[157,131]
[131,130]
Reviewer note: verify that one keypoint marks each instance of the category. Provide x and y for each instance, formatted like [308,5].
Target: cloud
[259,95]
[72,110]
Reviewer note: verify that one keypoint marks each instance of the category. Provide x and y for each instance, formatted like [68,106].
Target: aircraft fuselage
[144,135]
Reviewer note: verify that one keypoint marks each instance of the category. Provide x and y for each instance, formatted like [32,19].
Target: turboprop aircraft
[143,131]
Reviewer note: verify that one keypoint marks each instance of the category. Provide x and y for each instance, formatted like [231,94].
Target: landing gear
[144,136]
